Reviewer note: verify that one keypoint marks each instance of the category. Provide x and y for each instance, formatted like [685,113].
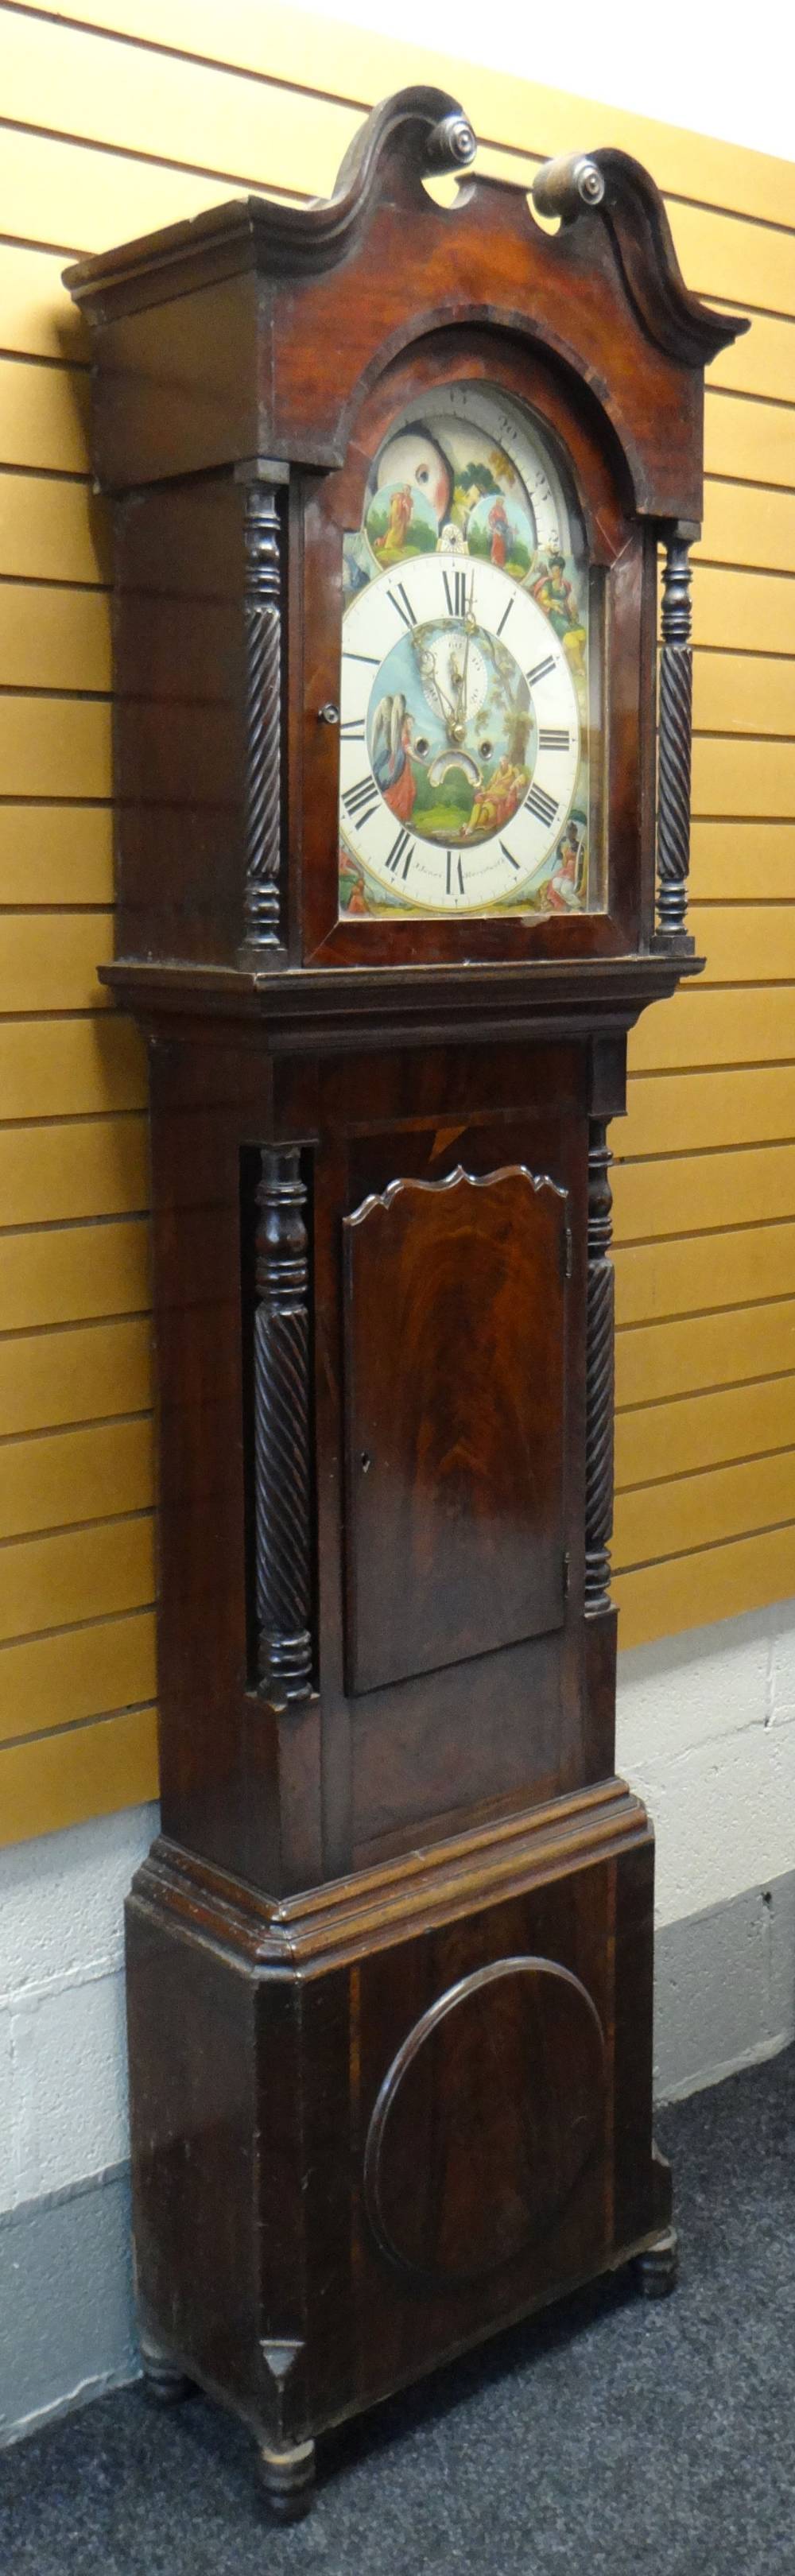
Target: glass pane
[471,674]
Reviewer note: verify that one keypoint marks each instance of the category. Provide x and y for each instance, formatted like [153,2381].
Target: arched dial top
[465,782]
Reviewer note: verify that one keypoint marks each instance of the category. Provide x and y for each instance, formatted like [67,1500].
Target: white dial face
[460,737]
[464,762]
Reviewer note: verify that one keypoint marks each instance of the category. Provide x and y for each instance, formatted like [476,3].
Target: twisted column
[675,740]
[599,1375]
[262,615]
[281,1431]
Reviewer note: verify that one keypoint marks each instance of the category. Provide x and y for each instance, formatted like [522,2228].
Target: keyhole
[365,1462]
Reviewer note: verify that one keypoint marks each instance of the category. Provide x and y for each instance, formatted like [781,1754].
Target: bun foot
[164,2383]
[656,2271]
[287,2479]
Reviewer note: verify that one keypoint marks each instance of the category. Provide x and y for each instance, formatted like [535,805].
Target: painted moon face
[414,458]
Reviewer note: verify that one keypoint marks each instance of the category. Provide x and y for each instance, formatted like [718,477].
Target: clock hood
[286,288]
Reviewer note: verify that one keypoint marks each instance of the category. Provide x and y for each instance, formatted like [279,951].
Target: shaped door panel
[455,1324]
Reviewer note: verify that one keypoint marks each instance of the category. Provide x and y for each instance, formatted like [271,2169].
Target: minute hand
[462,703]
[461,700]
[433,689]
[459,713]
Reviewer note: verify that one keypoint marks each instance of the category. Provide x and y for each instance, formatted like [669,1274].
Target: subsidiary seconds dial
[459,737]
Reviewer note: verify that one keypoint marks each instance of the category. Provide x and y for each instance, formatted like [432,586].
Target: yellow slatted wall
[129,117]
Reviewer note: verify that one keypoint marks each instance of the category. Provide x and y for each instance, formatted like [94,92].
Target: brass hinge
[565,1574]
[568,1252]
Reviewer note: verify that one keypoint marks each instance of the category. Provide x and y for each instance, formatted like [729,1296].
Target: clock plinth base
[375,2122]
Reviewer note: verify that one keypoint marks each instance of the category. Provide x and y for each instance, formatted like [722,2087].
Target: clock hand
[453,727]
[432,686]
[460,715]
[463,691]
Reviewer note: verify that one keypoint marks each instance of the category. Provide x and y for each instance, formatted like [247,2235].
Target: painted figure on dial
[557,598]
[500,534]
[563,885]
[391,750]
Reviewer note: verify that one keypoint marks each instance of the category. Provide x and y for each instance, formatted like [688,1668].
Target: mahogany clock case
[390,1962]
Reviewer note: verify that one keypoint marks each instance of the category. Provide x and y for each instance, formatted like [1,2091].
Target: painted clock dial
[464,732]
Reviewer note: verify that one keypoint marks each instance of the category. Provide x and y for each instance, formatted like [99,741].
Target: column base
[287,2479]
[164,2383]
[656,2270]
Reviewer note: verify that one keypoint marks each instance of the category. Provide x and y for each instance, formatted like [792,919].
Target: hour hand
[447,706]
[447,710]
[458,724]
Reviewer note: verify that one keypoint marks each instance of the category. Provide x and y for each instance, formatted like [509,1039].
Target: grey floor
[611,2437]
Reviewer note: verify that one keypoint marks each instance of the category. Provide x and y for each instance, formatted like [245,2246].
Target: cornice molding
[418,133]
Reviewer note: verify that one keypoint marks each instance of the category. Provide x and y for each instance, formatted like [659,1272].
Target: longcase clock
[398,867]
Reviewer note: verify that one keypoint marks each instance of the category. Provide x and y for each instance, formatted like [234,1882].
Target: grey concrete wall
[724,1988]
[66,2308]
